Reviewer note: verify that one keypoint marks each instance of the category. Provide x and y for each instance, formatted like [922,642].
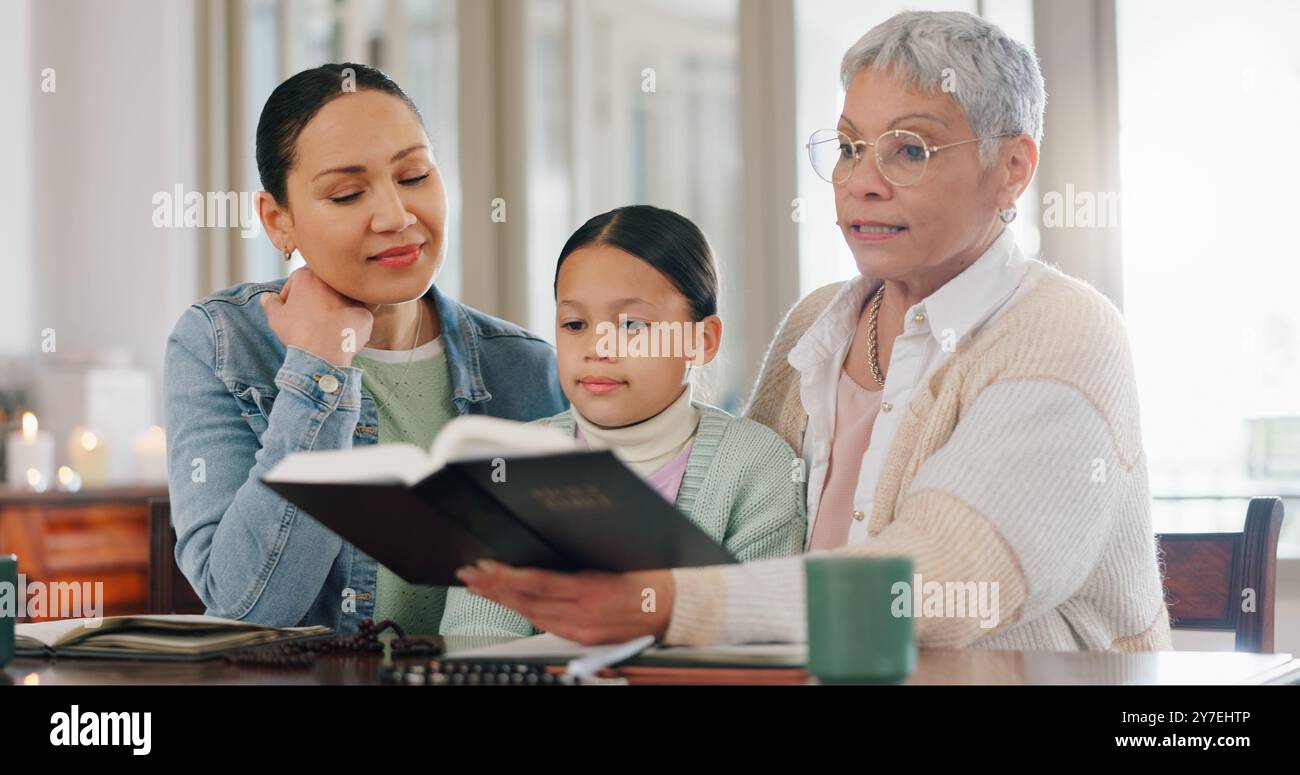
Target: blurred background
[1167,181]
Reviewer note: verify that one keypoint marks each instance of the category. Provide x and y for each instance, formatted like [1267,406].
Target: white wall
[16,269]
[1286,624]
[119,128]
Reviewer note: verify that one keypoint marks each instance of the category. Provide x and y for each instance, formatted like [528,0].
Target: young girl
[636,296]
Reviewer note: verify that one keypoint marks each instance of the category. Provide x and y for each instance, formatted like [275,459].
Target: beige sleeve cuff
[764,602]
[698,600]
[753,602]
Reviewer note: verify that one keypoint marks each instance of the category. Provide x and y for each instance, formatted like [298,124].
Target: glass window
[424,59]
[280,38]
[414,41]
[825,29]
[1210,265]
[550,213]
[648,114]
[261,261]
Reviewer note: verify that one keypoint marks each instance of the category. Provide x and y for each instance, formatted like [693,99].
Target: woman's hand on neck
[396,324]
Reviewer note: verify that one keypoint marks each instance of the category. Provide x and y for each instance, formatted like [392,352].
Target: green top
[743,486]
[421,406]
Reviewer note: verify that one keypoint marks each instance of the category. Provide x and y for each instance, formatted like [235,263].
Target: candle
[29,455]
[69,481]
[88,457]
[151,455]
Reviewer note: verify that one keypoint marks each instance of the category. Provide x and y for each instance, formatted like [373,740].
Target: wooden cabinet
[99,535]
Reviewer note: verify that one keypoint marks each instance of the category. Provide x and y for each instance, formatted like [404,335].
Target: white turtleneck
[648,445]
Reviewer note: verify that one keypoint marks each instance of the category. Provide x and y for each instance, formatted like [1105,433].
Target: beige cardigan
[1019,463]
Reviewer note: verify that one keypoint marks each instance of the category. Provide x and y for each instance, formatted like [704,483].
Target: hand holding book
[589,608]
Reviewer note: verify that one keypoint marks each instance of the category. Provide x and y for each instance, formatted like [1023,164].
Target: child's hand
[590,607]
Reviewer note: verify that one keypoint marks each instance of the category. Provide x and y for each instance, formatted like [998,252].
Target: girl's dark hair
[296,101]
[663,239]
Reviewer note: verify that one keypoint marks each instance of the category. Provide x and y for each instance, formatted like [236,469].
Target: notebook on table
[546,648]
[182,637]
[753,663]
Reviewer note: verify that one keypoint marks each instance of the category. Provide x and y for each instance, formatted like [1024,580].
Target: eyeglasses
[901,156]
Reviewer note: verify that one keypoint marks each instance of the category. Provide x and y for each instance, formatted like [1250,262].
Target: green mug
[854,632]
[9,593]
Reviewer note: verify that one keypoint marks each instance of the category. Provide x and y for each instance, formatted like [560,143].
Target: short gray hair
[994,79]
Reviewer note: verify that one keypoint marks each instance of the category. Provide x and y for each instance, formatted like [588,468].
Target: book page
[541,646]
[183,642]
[471,437]
[62,632]
[476,437]
[375,464]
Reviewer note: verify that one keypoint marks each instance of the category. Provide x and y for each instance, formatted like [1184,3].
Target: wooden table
[934,666]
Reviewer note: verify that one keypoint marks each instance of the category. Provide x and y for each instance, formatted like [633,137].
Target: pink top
[855,415]
[668,479]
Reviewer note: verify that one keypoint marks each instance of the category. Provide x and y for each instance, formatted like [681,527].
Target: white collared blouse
[932,330]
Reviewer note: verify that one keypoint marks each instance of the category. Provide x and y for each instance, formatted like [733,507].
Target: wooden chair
[169,591]
[1205,575]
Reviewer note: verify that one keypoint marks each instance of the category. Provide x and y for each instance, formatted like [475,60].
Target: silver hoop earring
[288,254]
[1008,215]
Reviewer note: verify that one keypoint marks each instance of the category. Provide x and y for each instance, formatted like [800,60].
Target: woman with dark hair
[358,347]
[636,313]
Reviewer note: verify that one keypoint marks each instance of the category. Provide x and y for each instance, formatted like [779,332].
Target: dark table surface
[934,666]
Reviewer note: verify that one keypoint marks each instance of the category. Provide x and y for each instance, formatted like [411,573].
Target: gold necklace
[419,320]
[872,360]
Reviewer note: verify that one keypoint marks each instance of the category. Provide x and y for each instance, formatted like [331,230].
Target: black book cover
[574,511]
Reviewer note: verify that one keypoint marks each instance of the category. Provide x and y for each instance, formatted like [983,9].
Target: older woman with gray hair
[955,403]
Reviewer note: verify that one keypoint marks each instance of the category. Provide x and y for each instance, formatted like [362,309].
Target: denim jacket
[237,401]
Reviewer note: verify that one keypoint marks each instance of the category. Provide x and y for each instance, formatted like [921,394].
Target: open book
[525,495]
[166,637]
[471,437]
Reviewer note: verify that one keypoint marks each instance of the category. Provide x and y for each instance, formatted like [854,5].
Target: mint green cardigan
[743,486]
